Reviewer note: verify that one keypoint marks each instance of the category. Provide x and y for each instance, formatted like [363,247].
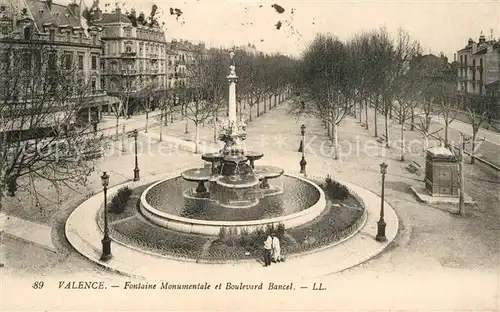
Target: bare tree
[166,104]
[478,111]
[326,79]
[42,98]
[447,104]
[123,84]
[202,101]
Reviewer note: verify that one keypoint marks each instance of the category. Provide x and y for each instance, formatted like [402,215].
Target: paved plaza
[437,260]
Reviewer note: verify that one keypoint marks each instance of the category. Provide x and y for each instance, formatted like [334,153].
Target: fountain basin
[197,174]
[213,227]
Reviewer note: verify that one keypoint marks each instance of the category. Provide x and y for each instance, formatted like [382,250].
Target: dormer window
[27,33]
[127,32]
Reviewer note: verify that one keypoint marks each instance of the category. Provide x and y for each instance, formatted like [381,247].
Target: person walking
[268,249]
[276,248]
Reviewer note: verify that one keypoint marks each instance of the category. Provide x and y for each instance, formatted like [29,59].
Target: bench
[382,139]
[414,168]
[92,155]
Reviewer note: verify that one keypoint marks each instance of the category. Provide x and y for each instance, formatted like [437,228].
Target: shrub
[335,190]
[119,201]
[222,234]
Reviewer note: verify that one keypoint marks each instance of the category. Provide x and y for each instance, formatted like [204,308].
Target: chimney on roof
[470,42]
[74,9]
[97,14]
[454,57]
[482,39]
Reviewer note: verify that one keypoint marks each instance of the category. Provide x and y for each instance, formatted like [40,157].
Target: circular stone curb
[349,252]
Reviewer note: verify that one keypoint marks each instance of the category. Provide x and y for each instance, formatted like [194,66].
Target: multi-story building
[134,63]
[478,67]
[27,25]
[249,49]
[185,55]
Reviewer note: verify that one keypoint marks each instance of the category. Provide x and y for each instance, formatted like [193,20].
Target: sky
[440,26]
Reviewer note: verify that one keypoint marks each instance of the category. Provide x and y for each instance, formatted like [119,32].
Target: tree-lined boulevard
[363,110]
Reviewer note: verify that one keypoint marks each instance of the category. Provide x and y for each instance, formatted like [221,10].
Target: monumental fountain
[231,191]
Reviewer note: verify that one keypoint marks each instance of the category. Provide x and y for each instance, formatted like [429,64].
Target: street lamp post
[303,161]
[381,223]
[135,133]
[106,241]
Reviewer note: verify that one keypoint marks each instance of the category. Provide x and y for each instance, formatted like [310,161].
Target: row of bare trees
[386,73]
[204,96]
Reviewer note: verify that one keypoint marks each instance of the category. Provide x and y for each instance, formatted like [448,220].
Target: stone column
[232,78]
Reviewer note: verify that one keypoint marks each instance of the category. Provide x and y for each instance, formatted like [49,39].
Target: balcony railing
[129,71]
[129,54]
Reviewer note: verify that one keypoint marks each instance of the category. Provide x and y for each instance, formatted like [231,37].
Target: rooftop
[57,14]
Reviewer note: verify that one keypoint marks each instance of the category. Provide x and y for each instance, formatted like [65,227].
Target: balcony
[129,54]
[128,72]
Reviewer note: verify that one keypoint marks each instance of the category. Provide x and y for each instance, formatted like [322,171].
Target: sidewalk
[29,231]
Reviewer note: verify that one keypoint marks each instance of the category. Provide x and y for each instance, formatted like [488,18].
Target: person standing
[276,248]
[268,248]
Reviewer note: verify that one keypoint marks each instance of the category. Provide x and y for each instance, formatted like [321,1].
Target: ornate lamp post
[106,241]
[134,134]
[381,223]
[303,161]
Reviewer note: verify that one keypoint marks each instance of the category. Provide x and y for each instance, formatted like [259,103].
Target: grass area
[142,234]
[340,218]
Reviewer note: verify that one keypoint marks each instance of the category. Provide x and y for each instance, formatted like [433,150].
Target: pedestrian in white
[276,248]
[268,250]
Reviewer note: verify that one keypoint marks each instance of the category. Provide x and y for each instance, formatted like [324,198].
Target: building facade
[479,67]
[184,56]
[135,59]
[30,26]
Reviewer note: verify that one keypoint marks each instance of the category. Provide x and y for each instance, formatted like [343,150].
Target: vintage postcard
[230,155]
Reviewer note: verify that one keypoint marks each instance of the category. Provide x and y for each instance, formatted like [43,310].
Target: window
[27,61]
[80,61]
[52,62]
[127,32]
[68,60]
[128,48]
[80,37]
[94,62]
[103,85]
[27,33]
[94,39]
[52,35]
[93,84]
[466,60]
[68,36]
[38,60]
[461,59]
